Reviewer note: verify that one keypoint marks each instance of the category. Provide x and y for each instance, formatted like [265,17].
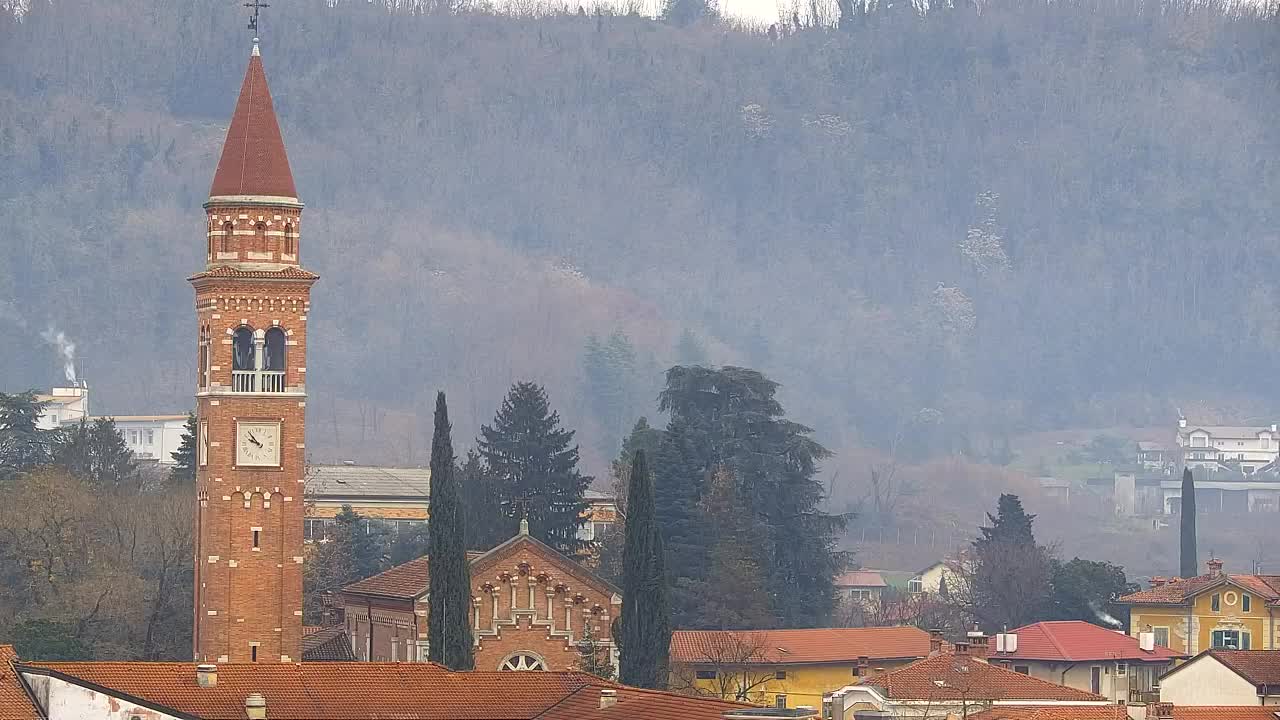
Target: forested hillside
[935,230]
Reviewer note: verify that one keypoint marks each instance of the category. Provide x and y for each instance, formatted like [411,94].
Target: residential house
[531,608]
[859,587]
[1219,713]
[951,684]
[1085,656]
[326,644]
[1225,677]
[932,578]
[333,690]
[1227,447]
[398,497]
[787,668]
[1214,610]
[1154,456]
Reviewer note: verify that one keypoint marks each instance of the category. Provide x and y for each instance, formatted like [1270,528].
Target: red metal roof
[253,157]
[1078,641]
[15,704]
[787,647]
[957,677]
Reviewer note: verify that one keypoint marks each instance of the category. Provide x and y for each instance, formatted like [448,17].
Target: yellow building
[788,668]
[1214,610]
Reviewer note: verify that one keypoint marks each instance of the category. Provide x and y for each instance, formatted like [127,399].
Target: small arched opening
[228,233]
[523,660]
[244,359]
[273,360]
[290,242]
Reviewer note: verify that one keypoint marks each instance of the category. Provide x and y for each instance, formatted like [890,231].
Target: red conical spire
[253,157]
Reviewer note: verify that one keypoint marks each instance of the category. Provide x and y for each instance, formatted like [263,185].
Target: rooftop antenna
[256,6]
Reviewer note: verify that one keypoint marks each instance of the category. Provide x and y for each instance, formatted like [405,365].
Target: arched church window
[290,242]
[523,660]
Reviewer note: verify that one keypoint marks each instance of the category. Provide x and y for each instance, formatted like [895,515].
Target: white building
[1244,449]
[152,437]
[64,405]
[1225,677]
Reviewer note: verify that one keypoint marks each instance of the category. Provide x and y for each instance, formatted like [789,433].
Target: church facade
[531,610]
[252,301]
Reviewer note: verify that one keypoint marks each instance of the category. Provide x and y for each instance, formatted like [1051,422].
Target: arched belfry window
[290,242]
[228,233]
[244,359]
[273,357]
[260,237]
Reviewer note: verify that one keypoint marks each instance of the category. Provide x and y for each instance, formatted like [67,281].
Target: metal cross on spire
[257,6]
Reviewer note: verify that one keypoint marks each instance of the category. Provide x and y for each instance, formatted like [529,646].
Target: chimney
[1161,711]
[863,663]
[255,707]
[979,643]
[1158,580]
[608,698]
[1182,422]
[1215,567]
[207,675]
[935,641]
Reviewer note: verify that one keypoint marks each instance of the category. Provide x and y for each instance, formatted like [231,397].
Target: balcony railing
[267,381]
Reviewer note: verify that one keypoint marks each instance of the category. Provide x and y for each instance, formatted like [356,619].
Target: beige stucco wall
[1207,682]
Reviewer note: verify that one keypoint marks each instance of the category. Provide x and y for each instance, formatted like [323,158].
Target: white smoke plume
[1105,616]
[66,349]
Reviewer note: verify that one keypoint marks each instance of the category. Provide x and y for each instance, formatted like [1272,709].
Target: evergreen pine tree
[593,656]
[536,467]
[644,438]
[448,613]
[735,593]
[689,350]
[486,524]
[23,445]
[729,416]
[1010,523]
[184,458]
[360,544]
[97,453]
[646,622]
[1011,578]
[1189,565]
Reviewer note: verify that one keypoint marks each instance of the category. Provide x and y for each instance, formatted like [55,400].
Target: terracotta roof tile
[406,581]
[331,644]
[860,578]
[332,690]
[1076,641]
[637,704]
[1075,712]
[15,704]
[819,645]
[289,272]
[956,677]
[1259,667]
[1225,712]
[1174,593]
[253,159]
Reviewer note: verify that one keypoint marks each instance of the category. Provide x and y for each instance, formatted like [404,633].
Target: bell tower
[252,302]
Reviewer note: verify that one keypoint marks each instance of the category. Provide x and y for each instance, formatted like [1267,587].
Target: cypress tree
[1189,566]
[536,467]
[448,622]
[486,525]
[646,620]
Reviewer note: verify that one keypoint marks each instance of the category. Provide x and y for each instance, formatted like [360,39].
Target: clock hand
[254,440]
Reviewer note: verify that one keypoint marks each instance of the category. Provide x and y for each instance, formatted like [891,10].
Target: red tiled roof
[957,677]
[1069,712]
[819,645]
[860,578]
[1077,641]
[15,704]
[406,581]
[289,272]
[336,690]
[409,580]
[330,644]
[1178,592]
[253,157]
[1226,712]
[1259,667]
[637,704]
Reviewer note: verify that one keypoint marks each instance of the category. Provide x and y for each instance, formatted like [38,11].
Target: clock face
[258,444]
